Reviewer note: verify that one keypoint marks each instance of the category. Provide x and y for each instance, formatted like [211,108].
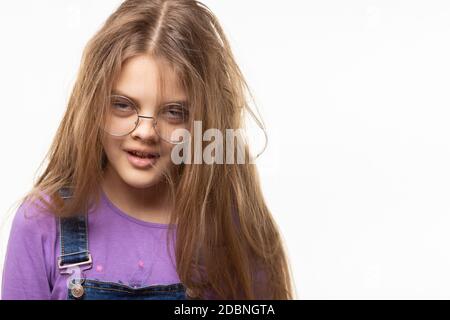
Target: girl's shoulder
[30,254]
[32,220]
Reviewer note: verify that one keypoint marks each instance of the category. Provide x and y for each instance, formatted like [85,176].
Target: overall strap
[73,236]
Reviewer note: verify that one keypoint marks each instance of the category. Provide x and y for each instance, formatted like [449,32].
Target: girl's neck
[149,204]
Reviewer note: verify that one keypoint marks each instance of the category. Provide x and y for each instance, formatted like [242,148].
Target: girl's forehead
[145,78]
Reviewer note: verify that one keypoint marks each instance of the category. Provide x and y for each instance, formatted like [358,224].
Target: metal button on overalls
[77,291]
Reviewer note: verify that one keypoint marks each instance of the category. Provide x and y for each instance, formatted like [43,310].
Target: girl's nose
[145,129]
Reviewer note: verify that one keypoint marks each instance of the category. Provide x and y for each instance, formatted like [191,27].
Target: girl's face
[139,82]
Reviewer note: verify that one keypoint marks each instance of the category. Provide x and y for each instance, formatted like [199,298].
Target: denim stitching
[125,291]
[174,286]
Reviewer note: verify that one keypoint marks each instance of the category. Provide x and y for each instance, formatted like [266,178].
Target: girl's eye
[174,112]
[122,106]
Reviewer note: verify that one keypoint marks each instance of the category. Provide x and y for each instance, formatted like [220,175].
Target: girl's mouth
[142,160]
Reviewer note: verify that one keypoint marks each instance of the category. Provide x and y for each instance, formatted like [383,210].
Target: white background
[355,95]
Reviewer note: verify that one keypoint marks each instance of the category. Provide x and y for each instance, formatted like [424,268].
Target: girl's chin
[141,182]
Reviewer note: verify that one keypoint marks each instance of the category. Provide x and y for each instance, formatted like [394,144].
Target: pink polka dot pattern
[141,264]
[99,268]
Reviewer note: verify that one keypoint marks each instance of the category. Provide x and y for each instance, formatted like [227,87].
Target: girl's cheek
[113,149]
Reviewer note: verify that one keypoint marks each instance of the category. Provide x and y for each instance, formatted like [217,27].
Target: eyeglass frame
[155,121]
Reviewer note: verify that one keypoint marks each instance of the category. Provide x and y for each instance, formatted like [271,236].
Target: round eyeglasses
[122,118]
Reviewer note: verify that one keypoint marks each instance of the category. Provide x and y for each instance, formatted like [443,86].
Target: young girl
[114,215]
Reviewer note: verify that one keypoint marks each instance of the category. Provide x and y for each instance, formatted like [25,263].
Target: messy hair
[228,245]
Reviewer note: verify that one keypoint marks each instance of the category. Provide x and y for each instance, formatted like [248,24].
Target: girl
[114,215]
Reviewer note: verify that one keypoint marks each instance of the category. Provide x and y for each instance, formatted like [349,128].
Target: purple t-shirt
[124,250]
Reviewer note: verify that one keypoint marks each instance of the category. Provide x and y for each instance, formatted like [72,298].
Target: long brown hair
[227,244]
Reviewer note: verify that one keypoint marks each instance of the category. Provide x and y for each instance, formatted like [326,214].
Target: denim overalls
[75,257]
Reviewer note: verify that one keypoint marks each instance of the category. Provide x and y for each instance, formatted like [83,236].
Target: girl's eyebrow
[135,101]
